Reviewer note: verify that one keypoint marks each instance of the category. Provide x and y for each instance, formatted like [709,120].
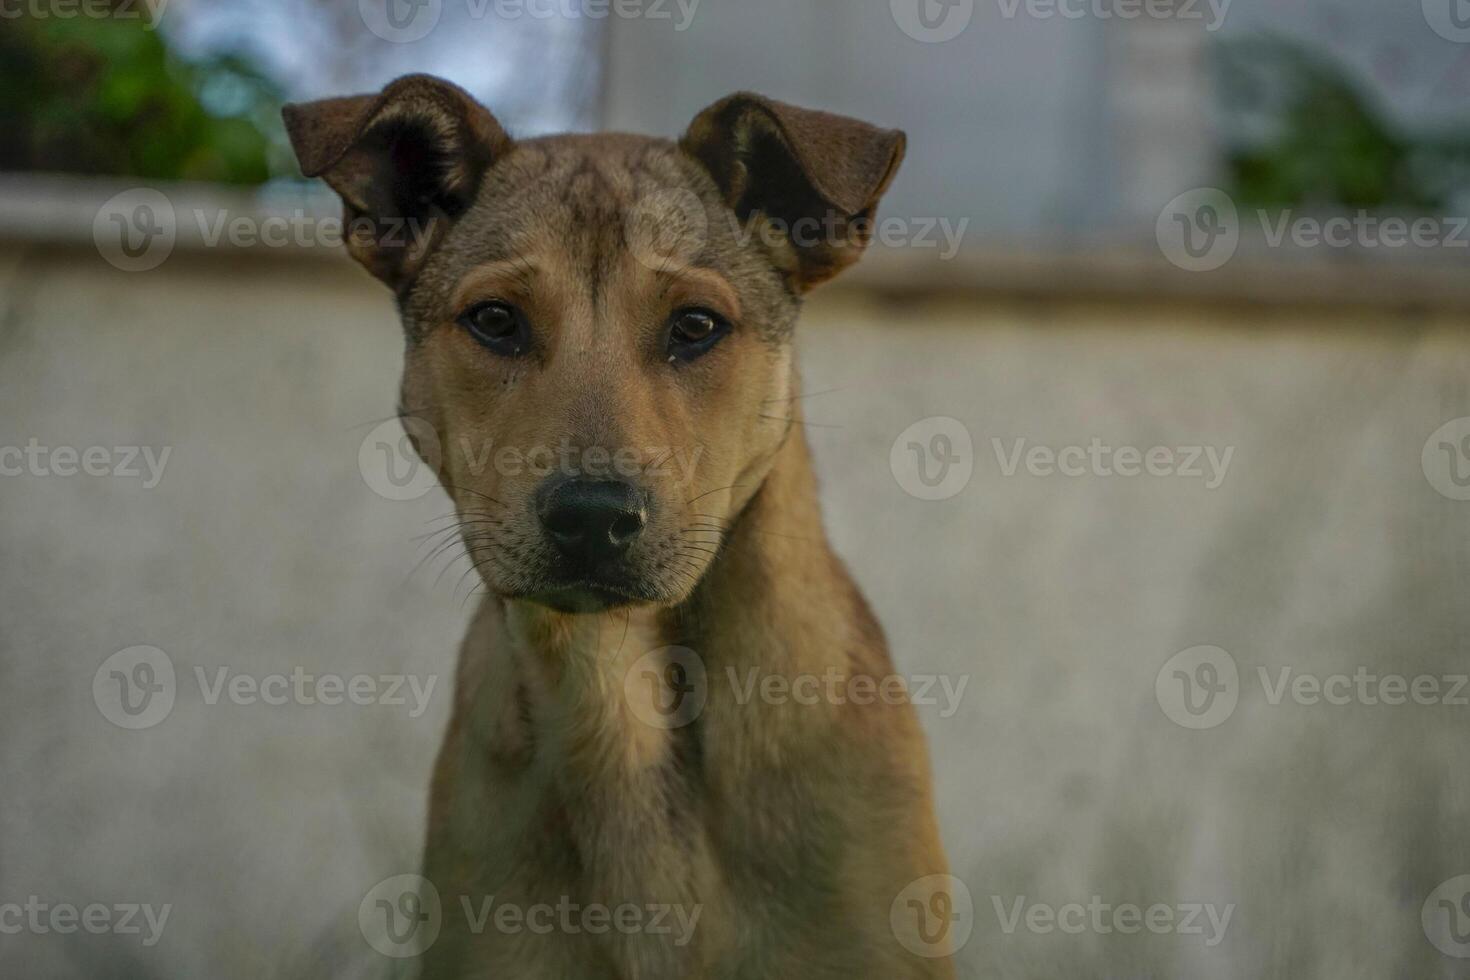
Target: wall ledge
[303,221]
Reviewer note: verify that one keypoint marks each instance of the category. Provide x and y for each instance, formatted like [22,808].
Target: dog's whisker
[450,529]
[477,493]
[688,581]
[408,575]
[658,461]
[435,552]
[450,539]
[473,569]
[467,553]
[775,534]
[723,532]
[700,560]
[755,530]
[431,541]
[715,490]
[448,564]
[815,425]
[809,394]
[689,571]
[432,549]
[476,566]
[472,517]
[387,418]
[628,618]
[788,537]
[442,517]
[461,513]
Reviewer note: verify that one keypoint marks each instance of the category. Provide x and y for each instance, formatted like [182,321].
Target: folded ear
[814,176]
[406,163]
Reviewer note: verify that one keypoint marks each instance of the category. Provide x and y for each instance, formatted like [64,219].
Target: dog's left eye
[692,331]
[499,326]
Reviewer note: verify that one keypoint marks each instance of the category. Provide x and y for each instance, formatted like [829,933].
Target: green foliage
[1324,142]
[90,95]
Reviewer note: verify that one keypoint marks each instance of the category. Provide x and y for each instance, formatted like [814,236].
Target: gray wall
[1032,126]
[1002,119]
[1060,599]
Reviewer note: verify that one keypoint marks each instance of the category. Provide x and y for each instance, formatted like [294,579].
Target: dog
[608,320]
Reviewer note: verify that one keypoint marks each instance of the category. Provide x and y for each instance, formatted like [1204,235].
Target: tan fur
[791,828]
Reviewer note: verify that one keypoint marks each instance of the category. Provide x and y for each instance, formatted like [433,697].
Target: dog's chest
[583,795]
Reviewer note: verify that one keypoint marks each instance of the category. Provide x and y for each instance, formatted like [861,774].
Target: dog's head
[599,359]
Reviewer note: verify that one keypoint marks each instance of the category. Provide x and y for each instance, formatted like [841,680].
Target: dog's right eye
[499,326]
[693,331]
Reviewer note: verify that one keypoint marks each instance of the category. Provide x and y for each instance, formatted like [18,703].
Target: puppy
[677,748]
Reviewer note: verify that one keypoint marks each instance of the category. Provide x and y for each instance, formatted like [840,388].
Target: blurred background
[1232,234]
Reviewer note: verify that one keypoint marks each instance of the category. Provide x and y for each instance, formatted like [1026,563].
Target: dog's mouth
[571,587]
[585,595]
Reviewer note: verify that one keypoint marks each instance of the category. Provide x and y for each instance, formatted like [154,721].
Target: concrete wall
[1058,599]
[1031,118]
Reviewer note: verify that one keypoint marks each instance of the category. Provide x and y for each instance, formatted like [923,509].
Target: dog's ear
[815,175]
[406,163]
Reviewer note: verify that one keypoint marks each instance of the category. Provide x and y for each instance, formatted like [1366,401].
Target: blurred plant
[1303,133]
[106,95]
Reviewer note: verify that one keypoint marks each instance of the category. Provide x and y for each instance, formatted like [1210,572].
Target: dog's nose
[592,520]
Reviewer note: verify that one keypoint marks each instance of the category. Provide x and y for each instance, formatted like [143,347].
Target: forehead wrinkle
[593,191]
[618,178]
[576,306]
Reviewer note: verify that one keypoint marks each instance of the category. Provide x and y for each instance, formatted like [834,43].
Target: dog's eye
[693,331]
[499,326]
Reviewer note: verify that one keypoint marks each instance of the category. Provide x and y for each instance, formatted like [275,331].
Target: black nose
[591,521]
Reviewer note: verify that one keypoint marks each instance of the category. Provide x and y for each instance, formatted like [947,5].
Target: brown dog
[599,365]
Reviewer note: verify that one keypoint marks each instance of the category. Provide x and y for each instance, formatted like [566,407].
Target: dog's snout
[592,521]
